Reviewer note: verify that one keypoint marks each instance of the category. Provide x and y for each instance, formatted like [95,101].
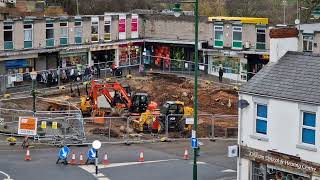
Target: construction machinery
[175,112]
[107,96]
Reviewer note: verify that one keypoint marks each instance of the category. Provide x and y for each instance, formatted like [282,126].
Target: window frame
[97,34]
[256,118]
[63,36]
[12,36]
[260,33]
[237,41]
[302,126]
[50,28]
[32,35]
[76,35]
[217,29]
[308,41]
[107,23]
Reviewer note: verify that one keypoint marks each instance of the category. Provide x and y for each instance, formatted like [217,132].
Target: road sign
[96,144]
[91,154]
[194,143]
[233,151]
[54,125]
[1,121]
[43,124]
[27,126]
[63,152]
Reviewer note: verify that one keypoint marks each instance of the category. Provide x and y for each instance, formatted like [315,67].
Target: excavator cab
[140,103]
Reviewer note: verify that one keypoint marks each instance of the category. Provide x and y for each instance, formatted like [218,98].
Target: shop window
[261,38]
[218,36]
[308,43]
[258,171]
[107,30]
[237,37]
[308,128]
[95,30]
[261,119]
[28,35]
[49,35]
[78,32]
[8,37]
[63,33]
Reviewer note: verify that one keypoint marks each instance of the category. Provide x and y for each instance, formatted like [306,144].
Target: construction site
[152,106]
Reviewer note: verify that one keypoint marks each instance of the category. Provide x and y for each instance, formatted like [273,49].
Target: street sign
[96,144]
[43,124]
[63,152]
[233,151]
[27,126]
[91,154]
[194,143]
[54,125]
[189,120]
[1,121]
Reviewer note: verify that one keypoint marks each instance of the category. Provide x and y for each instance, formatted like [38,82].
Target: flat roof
[246,20]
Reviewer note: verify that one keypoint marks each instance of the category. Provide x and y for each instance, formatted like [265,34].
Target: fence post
[167,126]
[212,128]
[109,129]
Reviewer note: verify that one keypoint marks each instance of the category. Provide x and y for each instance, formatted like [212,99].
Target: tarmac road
[162,161]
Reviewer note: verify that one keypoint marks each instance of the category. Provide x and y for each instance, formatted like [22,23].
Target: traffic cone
[73,159]
[27,157]
[141,158]
[186,155]
[81,162]
[105,159]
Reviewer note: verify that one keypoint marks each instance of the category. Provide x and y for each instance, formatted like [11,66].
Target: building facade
[278,129]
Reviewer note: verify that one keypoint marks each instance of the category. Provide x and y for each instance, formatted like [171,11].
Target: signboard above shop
[281,160]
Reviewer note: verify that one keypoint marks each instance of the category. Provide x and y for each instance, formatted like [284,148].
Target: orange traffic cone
[81,162]
[105,160]
[73,159]
[141,158]
[27,157]
[186,155]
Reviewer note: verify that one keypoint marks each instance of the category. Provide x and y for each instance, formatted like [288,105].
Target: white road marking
[92,169]
[7,175]
[229,171]
[198,162]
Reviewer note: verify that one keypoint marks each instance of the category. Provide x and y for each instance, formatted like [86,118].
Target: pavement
[162,161]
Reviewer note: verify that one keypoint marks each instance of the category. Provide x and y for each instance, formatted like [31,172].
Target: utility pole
[284,3]
[77,2]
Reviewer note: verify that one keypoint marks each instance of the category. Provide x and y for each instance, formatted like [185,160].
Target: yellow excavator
[153,120]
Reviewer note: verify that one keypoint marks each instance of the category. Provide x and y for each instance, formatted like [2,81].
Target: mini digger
[154,120]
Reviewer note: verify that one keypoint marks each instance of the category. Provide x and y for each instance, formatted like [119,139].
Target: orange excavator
[105,96]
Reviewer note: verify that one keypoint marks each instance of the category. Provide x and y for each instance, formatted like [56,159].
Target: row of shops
[239,66]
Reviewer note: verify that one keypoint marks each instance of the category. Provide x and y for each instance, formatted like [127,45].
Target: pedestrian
[98,70]
[220,74]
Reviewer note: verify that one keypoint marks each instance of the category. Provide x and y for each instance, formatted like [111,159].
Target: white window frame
[307,127]
[78,26]
[24,38]
[67,27]
[219,28]
[8,30]
[50,28]
[308,41]
[265,33]
[94,22]
[235,30]
[107,23]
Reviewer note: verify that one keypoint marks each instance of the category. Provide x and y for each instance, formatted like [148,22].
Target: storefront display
[17,71]
[72,59]
[270,165]
[129,55]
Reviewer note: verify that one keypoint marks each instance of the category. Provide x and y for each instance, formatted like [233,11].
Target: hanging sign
[134,26]
[122,26]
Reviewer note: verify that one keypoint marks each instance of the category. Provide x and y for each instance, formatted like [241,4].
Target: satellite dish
[297,21]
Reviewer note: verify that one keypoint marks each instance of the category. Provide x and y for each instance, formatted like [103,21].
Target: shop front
[271,165]
[73,58]
[234,65]
[255,63]
[103,56]
[129,54]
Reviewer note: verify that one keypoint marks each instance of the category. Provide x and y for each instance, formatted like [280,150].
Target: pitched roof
[296,77]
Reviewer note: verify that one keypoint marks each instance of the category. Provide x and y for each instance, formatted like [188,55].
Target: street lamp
[316,12]
[177,12]
[33,76]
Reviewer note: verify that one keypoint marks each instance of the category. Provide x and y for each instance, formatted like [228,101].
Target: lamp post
[33,76]
[177,12]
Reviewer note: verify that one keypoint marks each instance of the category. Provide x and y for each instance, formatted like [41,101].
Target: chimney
[283,40]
